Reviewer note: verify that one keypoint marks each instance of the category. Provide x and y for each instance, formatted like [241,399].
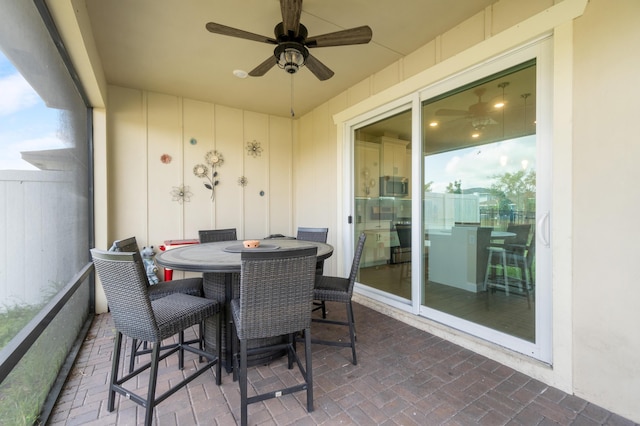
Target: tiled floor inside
[404,376]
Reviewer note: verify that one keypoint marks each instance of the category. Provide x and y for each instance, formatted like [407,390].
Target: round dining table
[222,259]
[224,256]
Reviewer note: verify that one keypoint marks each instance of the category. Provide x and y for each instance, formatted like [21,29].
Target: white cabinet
[367,169]
[394,157]
[458,257]
[377,247]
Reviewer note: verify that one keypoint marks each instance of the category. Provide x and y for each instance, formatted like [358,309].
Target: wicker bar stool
[338,289]
[276,295]
[318,235]
[135,315]
[215,287]
[192,286]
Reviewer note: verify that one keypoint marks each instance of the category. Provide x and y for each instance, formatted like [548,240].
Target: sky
[26,123]
[475,166]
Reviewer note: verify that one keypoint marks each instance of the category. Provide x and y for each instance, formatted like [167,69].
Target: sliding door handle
[544,229]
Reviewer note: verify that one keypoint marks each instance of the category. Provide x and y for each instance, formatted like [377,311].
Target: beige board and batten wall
[145,126]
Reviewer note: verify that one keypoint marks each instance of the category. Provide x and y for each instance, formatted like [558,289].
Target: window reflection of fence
[497,218]
[443,210]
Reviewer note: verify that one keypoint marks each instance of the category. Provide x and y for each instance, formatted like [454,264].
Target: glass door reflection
[382,178]
[479,202]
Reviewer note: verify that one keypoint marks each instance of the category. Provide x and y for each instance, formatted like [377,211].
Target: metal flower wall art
[181,194]
[254,149]
[208,171]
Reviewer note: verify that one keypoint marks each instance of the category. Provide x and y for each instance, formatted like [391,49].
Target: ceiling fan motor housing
[290,53]
[291,56]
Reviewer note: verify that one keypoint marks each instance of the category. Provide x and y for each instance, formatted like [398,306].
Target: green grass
[15,319]
[23,392]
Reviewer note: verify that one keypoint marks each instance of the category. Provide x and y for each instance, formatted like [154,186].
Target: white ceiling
[163,46]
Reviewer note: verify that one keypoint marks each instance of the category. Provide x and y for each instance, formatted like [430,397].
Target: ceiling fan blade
[234,32]
[358,35]
[262,69]
[291,10]
[446,111]
[318,69]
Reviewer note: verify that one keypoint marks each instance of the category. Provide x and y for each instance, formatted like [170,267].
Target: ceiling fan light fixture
[479,123]
[291,56]
[240,73]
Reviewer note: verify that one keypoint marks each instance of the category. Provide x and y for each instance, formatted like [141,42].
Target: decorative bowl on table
[251,243]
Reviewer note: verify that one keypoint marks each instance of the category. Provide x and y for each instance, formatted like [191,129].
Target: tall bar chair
[318,235]
[275,299]
[137,316]
[215,284]
[192,286]
[338,289]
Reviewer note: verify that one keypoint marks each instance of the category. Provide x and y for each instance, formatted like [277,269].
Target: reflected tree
[515,189]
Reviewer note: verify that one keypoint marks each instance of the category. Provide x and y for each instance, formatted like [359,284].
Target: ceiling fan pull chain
[292,112]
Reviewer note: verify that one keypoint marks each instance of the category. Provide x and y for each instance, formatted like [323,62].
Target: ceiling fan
[479,113]
[293,44]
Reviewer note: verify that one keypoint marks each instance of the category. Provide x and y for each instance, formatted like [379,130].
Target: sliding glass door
[464,240]
[382,177]
[480,202]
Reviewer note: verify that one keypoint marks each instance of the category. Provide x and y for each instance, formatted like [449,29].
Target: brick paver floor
[404,376]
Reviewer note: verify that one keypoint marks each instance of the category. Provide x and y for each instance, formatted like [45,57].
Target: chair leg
[132,358]
[115,365]
[320,305]
[504,273]
[243,382]
[524,276]
[502,257]
[180,350]
[353,321]
[218,349]
[153,380]
[201,340]
[292,342]
[352,332]
[309,372]
[235,351]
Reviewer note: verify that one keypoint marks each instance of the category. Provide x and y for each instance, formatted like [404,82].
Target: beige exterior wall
[605,152]
[594,169]
[594,313]
[145,127]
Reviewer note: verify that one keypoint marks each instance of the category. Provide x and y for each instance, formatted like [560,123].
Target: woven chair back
[126,245]
[214,235]
[214,283]
[318,235]
[404,235]
[522,233]
[355,266]
[276,292]
[125,285]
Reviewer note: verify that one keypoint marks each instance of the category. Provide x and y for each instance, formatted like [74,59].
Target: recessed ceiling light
[240,73]
[433,124]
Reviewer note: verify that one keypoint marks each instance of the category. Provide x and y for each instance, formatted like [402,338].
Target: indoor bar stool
[497,258]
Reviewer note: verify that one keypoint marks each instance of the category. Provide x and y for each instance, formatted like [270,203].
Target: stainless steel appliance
[394,186]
